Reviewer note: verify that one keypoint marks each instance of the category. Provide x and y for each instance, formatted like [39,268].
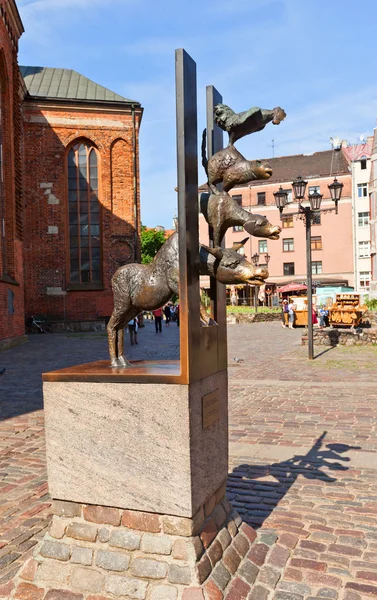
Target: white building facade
[373,216]
[359,157]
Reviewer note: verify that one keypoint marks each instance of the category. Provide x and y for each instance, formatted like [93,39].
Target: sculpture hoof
[120,363]
[123,362]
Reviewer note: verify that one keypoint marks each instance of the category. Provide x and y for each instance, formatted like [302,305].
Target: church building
[69,190]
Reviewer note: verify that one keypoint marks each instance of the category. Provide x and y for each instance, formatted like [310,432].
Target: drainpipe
[354,215]
[134,162]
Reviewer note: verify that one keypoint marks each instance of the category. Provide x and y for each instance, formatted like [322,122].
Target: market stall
[301,309]
[346,311]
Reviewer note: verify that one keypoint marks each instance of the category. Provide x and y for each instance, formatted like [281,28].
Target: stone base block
[140,446]
[101,553]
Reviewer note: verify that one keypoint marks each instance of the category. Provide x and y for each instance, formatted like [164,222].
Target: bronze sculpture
[147,287]
[139,287]
[221,211]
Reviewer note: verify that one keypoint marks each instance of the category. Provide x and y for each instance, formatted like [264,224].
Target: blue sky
[315,58]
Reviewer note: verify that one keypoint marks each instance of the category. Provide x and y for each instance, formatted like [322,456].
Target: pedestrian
[284,313]
[177,314]
[291,314]
[167,313]
[133,326]
[234,298]
[314,316]
[157,319]
[323,315]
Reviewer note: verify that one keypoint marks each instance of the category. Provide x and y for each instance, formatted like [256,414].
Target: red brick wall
[48,134]
[11,269]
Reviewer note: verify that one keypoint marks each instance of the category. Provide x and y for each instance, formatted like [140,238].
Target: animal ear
[216,252]
[237,245]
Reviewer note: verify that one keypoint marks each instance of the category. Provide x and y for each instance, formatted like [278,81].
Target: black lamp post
[308,214]
[255,261]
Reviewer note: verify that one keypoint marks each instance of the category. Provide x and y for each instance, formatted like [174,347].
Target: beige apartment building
[332,234]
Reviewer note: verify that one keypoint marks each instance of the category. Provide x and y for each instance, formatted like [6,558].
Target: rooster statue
[237,125]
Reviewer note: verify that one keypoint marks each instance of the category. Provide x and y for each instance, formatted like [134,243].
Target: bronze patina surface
[143,371]
[178,264]
[147,287]
[221,211]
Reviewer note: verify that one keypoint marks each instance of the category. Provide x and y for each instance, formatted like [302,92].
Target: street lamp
[255,261]
[307,213]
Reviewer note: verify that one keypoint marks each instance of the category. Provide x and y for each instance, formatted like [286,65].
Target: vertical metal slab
[187,170]
[217,290]
[200,347]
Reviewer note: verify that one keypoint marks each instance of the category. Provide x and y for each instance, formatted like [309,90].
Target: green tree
[151,242]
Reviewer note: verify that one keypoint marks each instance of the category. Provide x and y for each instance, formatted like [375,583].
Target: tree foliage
[151,242]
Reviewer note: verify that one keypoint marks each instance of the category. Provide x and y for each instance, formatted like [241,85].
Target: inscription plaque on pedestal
[210,408]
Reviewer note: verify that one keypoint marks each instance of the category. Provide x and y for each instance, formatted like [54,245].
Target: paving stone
[29,570]
[192,594]
[52,571]
[66,509]
[28,591]
[126,586]
[168,592]
[141,521]
[287,408]
[82,531]
[269,576]
[145,567]
[231,559]
[294,588]
[238,590]
[219,515]
[208,533]
[248,571]
[203,568]
[55,550]
[112,561]
[82,556]
[102,515]
[156,544]
[88,580]
[327,593]
[179,549]
[103,535]
[221,576]
[258,593]
[212,591]
[129,540]
[57,528]
[63,595]
[258,554]
[215,552]
[178,574]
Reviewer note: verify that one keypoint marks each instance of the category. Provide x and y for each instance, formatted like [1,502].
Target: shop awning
[292,287]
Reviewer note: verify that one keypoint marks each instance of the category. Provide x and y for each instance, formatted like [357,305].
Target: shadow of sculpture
[256,490]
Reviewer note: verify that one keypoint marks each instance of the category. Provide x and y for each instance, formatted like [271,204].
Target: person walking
[285,313]
[291,315]
[167,313]
[157,319]
[132,328]
[177,314]
[323,314]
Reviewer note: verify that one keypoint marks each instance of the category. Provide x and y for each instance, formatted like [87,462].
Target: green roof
[66,84]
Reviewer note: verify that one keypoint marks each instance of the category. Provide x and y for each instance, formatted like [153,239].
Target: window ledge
[85,287]
[8,279]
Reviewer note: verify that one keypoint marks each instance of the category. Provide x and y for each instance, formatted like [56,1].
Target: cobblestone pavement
[303,448]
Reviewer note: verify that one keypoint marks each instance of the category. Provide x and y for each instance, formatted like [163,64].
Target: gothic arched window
[84,215]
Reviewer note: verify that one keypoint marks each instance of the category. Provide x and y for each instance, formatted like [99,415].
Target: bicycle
[40,325]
